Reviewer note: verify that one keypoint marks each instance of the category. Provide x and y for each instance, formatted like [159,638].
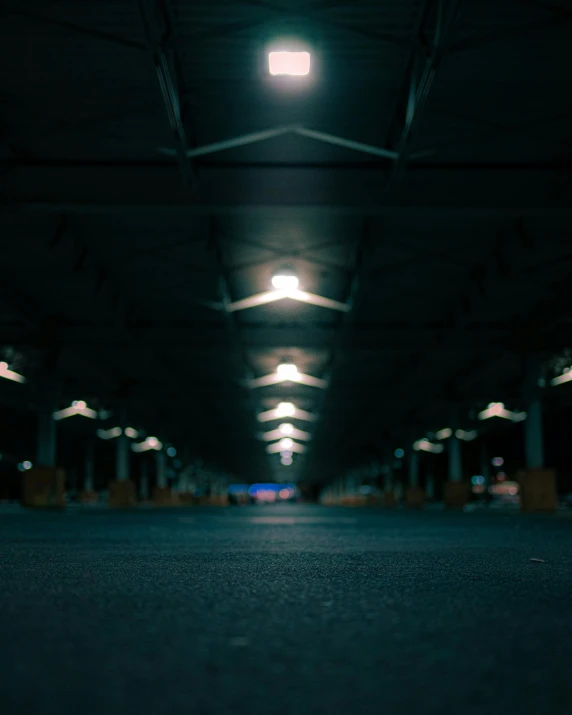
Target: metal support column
[46,437]
[144,479]
[455,460]
[414,469]
[122,450]
[89,467]
[160,463]
[533,425]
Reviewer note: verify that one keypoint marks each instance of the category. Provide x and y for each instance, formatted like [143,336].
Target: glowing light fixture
[77,407]
[286,428]
[8,374]
[131,432]
[286,461]
[285,280]
[444,433]
[110,433]
[425,445]
[565,377]
[287,371]
[149,443]
[286,453]
[24,466]
[285,445]
[497,409]
[293,64]
[466,435]
[286,409]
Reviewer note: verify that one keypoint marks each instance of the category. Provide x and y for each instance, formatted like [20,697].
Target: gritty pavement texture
[299,610]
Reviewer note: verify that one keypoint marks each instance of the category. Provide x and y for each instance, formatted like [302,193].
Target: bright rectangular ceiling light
[295,64]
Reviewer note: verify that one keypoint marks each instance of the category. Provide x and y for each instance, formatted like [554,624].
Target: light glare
[294,64]
[286,428]
[287,371]
[285,282]
[285,409]
[286,443]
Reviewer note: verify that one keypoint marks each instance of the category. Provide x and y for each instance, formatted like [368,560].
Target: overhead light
[293,64]
[110,433]
[565,377]
[286,461]
[425,445]
[285,280]
[24,466]
[147,444]
[466,435]
[286,429]
[77,407]
[286,453]
[285,445]
[444,433]
[8,374]
[131,432]
[287,371]
[497,409]
[286,409]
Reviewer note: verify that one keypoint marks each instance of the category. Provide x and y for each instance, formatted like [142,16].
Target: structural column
[144,483]
[537,484]
[89,467]
[414,469]
[122,450]
[455,459]
[161,469]
[48,403]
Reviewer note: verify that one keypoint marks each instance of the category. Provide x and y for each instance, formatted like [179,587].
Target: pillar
[89,467]
[455,460]
[430,486]
[48,403]
[144,482]
[414,469]
[161,470]
[122,450]
[122,489]
[537,484]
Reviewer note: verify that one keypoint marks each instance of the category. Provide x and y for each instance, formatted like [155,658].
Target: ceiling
[432,198]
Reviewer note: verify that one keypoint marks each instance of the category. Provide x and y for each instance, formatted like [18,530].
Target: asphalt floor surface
[280,610]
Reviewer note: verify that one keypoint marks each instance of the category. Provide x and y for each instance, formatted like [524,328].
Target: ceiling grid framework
[418,180]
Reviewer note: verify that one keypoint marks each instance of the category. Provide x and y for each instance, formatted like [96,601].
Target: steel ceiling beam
[159,28]
[430,42]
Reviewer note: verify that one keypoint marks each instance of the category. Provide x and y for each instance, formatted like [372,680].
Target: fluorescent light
[285,409]
[497,409]
[8,374]
[426,446]
[110,433]
[285,282]
[565,377]
[294,64]
[287,371]
[444,433]
[77,407]
[467,435]
[149,443]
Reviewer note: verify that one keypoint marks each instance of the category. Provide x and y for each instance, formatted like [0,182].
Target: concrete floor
[275,610]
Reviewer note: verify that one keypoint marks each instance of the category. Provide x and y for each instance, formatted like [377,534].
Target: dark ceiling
[448,229]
